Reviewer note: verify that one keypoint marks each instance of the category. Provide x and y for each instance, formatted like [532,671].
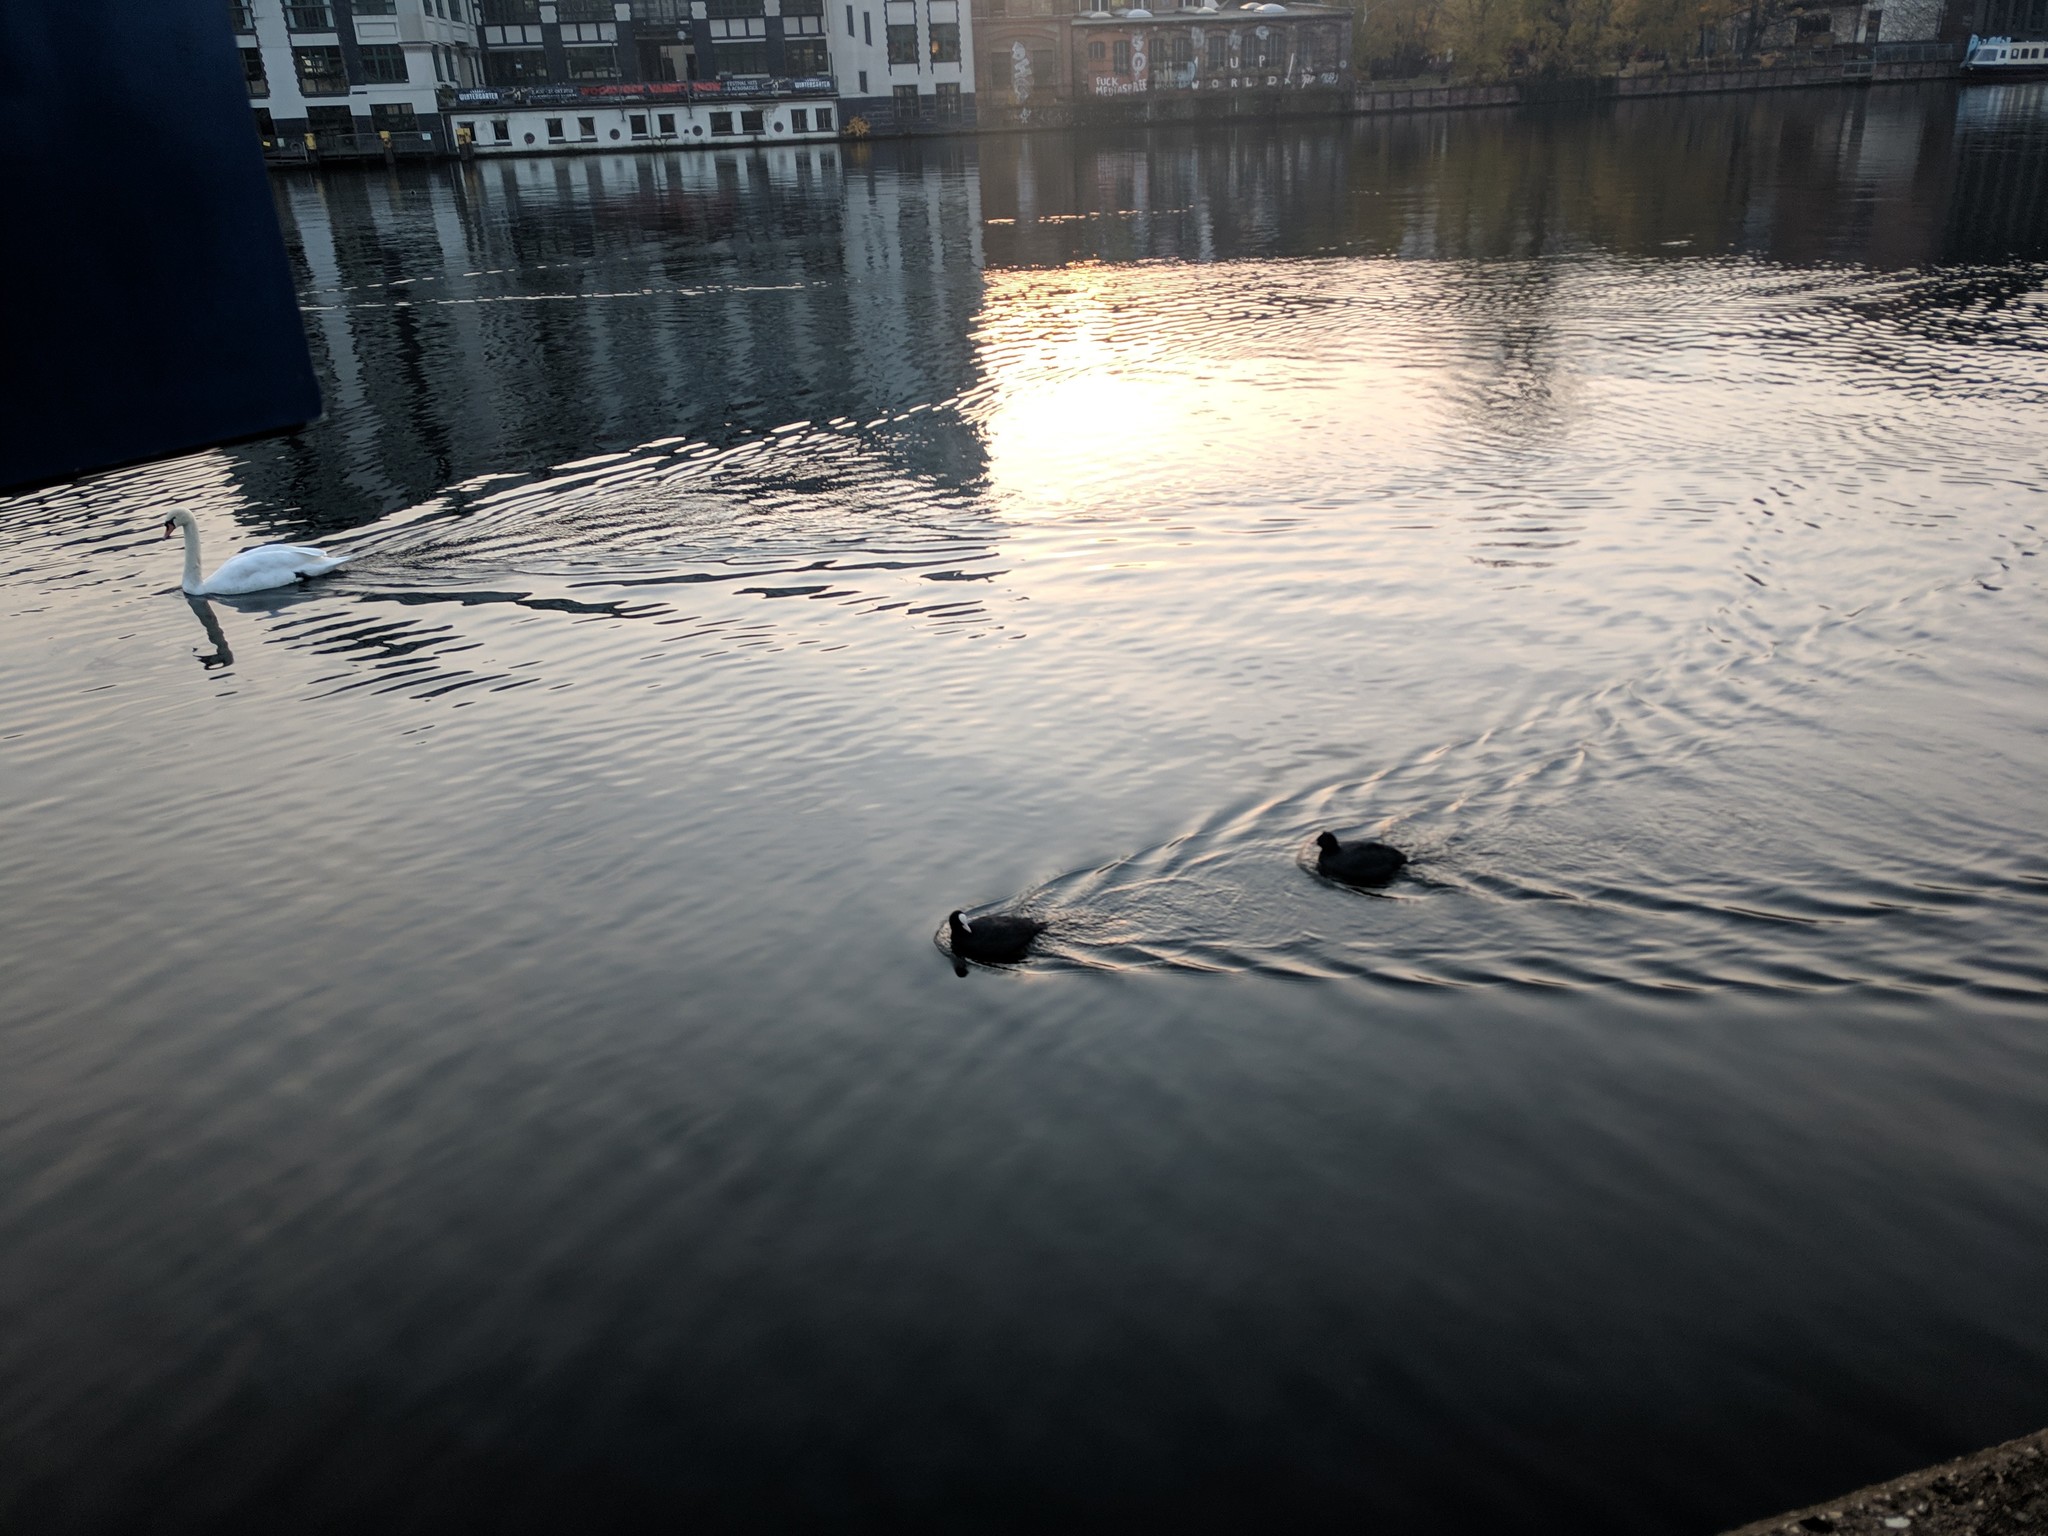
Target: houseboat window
[750,122]
[637,121]
[501,130]
[721,122]
[666,122]
[587,126]
[554,130]
[824,119]
[799,120]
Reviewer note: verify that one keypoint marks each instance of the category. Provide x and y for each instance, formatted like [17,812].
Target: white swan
[253,570]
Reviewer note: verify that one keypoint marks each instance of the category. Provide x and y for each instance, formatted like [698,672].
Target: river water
[474,1050]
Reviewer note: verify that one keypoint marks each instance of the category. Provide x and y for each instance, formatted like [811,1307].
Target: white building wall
[857,34]
[439,47]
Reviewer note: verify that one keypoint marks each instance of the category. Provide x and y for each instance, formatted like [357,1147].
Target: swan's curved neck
[192,581]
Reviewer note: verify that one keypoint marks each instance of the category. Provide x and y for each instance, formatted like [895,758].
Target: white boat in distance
[2005,57]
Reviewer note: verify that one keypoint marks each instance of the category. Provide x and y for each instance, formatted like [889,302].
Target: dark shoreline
[2003,1489]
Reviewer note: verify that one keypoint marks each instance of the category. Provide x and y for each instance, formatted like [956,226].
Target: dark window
[327,124]
[600,63]
[849,21]
[383,63]
[799,120]
[252,72]
[320,71]
[239,17]
[946,98]
[315,16]
[945,42]
[511,13]
[554,130]
[501,130]
[738,58]
[583,10]
[637,121]
[516,66]
[906,102]
[803,7]
[805,57]
[394,120]
[1122,62]
[266,125]
[376,7]
[902,43]
[824,115]
[750,122]
[732,8]
[997,71]
[661,10]
[1096,53]
[665,122]
[867,30]
[721,122]
[1216,51]
[587,127]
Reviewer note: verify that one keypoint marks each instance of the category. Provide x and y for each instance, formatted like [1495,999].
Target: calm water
[474,1054]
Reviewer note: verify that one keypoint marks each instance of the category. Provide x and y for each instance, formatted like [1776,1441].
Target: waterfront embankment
[1995,1492]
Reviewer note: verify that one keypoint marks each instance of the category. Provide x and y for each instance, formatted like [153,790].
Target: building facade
[392,77]
[1041,60]
[356,75]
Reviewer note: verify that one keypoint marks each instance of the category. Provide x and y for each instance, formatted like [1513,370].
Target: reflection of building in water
[518,314]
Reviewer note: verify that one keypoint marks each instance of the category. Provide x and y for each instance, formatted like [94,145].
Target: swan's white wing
[271,565]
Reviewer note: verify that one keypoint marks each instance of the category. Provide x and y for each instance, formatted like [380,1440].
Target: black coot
[999,939]
[1360,863]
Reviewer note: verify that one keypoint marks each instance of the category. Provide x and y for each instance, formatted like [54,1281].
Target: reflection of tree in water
[1794,176]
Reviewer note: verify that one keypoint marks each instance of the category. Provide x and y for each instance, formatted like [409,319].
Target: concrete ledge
[1999,1492]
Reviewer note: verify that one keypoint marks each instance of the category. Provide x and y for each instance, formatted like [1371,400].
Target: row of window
[1177,50]
[944,48]
[318,15]
[945,102]
[751,120]
[326,124]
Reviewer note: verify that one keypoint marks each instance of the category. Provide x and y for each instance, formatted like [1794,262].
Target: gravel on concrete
[1999,1492]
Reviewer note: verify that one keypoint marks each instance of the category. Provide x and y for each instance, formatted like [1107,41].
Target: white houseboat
[2005,58]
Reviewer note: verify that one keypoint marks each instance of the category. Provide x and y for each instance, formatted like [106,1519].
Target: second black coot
[999,939]
[1365,863]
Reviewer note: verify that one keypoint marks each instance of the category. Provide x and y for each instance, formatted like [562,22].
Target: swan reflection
[220,655]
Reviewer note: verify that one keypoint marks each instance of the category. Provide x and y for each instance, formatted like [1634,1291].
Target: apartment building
[356,75]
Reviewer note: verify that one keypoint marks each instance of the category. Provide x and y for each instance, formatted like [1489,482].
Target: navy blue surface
[148,307]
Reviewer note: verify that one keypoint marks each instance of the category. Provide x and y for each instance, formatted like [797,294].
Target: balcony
[241,18]
[308,18]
